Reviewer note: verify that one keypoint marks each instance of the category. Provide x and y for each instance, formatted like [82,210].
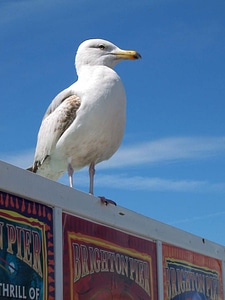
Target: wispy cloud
[149,183]
[141,183]
[158,184]
[155,152]
[199,218]
[163,150]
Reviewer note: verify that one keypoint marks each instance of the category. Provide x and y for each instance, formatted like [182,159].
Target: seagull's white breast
[97,131]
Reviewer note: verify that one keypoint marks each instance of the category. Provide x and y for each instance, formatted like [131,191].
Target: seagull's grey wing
[55,122]
[58,100]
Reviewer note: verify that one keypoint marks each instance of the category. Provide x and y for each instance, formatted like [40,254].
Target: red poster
[26,249]
[189,275]
[102,263]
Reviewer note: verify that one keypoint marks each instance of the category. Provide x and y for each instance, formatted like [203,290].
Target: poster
[26,249]
[189,275]
[102,263]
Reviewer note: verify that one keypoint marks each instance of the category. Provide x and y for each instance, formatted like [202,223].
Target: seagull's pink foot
[106,201]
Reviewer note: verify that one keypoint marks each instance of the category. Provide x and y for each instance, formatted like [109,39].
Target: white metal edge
[160,270]
[58,252]
[31,186]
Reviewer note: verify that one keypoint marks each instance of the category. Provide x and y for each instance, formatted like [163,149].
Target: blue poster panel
[26,249]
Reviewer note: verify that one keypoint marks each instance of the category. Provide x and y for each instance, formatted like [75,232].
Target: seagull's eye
[101,46]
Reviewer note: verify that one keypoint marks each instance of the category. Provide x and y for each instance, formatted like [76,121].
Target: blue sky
[171,163]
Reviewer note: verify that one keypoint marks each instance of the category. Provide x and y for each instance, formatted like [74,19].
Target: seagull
[84,124]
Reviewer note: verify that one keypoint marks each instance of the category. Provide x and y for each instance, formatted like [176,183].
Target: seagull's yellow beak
[128,54]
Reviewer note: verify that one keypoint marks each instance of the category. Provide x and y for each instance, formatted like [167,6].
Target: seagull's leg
[70,173]
[91,176]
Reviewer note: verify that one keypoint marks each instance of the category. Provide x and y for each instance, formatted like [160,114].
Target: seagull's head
[101,52]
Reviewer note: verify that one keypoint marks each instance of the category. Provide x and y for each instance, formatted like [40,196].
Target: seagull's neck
[88,70]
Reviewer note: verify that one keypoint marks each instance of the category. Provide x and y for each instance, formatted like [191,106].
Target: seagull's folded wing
[59,116]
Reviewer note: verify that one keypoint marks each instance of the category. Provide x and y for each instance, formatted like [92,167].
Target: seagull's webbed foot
[106,201]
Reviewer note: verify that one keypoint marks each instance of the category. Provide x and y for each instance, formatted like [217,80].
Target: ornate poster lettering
[102,263]
[189,275]
[26,249]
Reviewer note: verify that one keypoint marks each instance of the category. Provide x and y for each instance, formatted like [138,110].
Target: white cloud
[166,149]
[159,151]
[199,218]
[149,183]
[131,183]
[157,184]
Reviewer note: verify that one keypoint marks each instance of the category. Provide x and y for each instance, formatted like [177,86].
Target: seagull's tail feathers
[45,170]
